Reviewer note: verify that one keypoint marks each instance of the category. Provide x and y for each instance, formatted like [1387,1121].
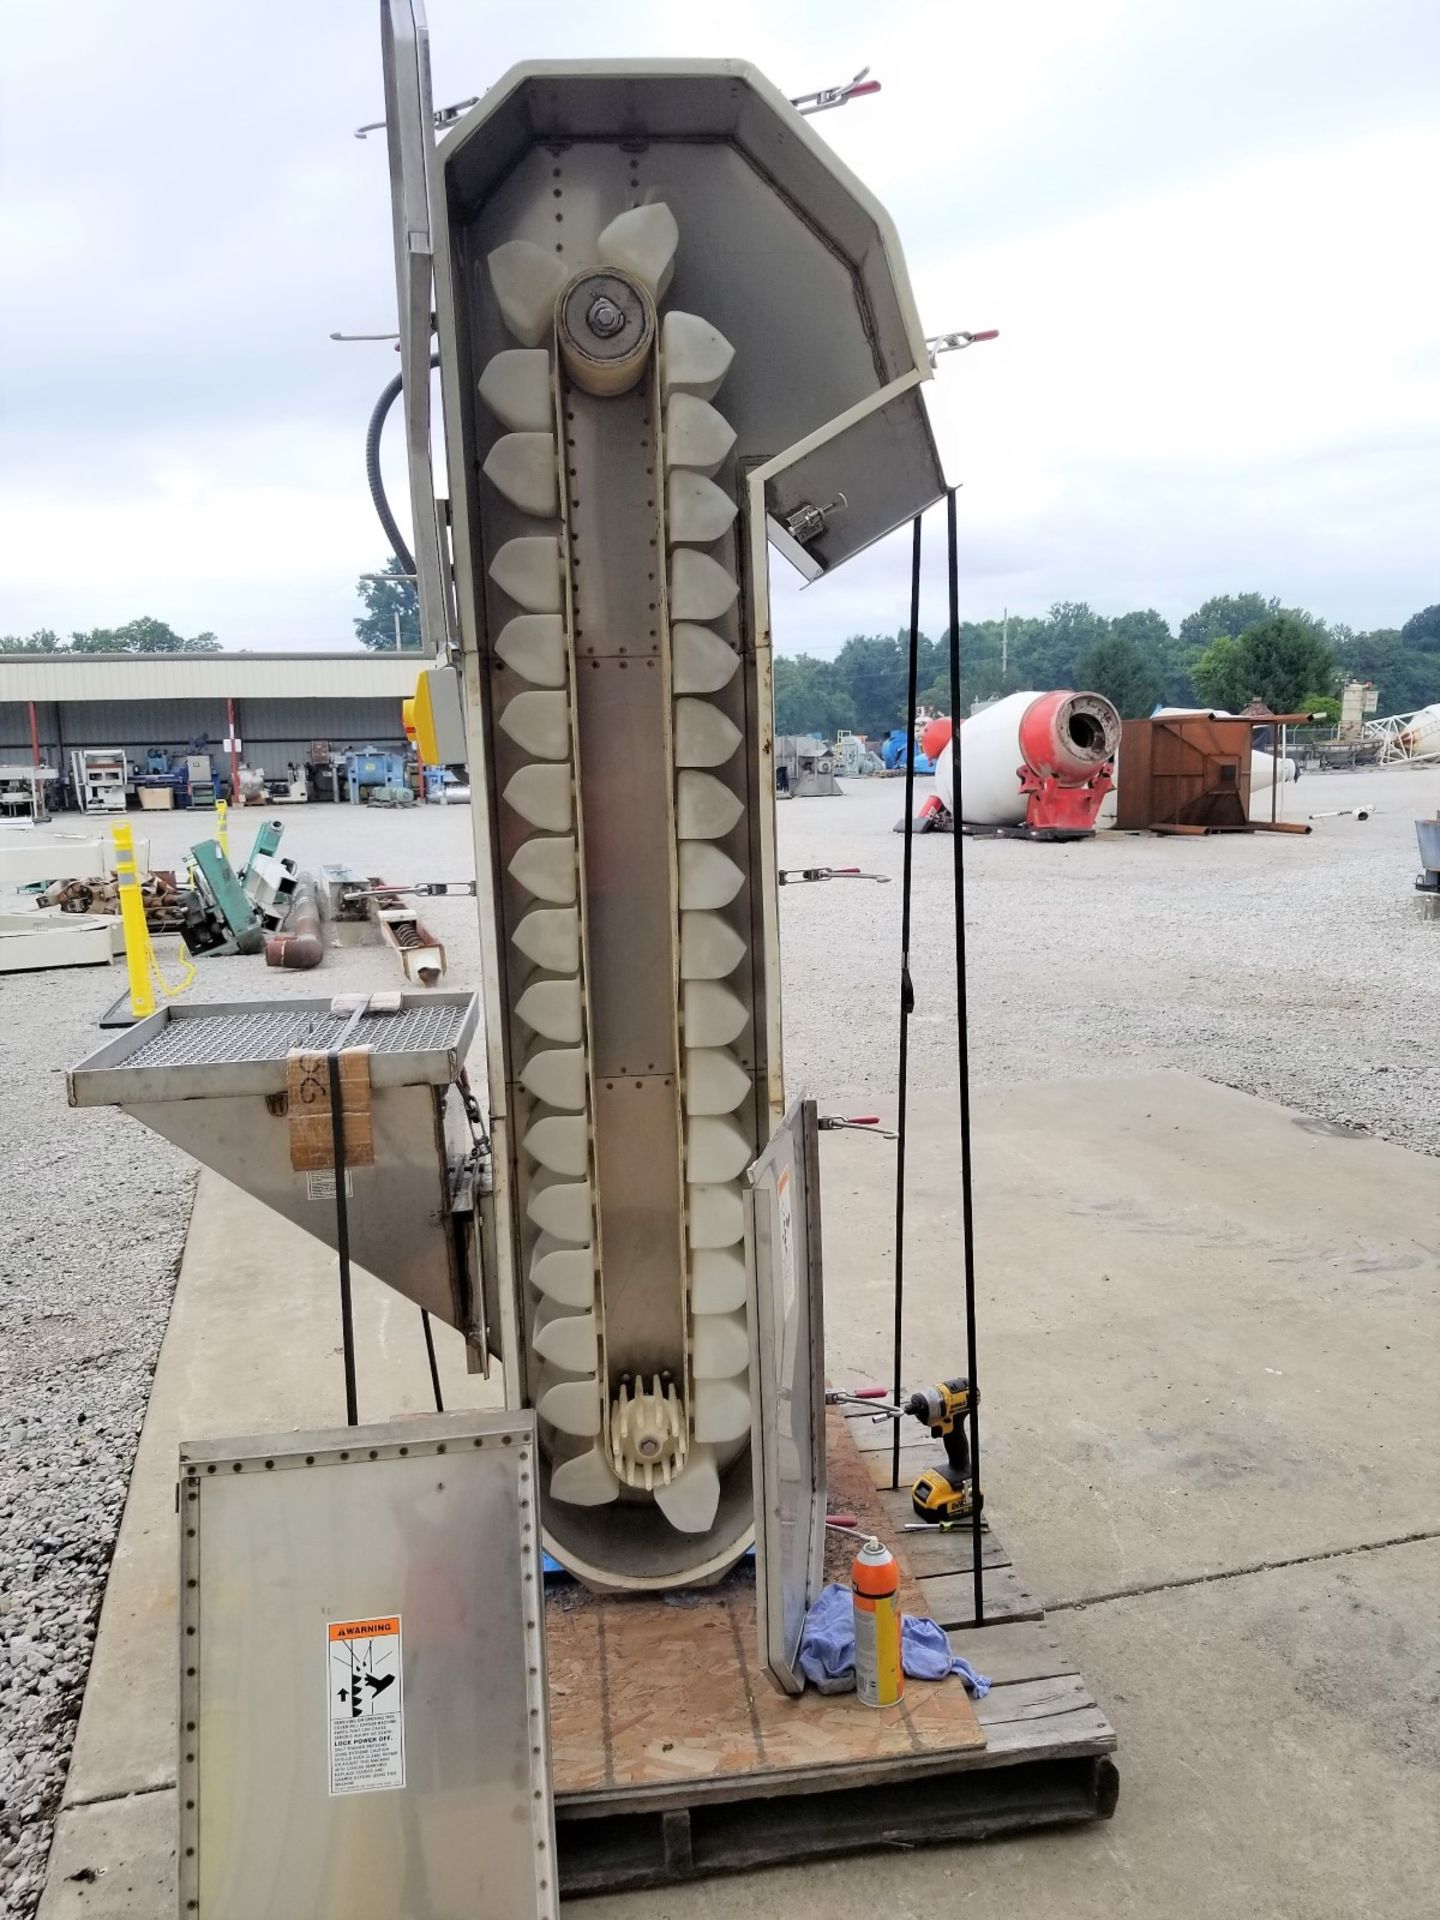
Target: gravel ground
[1297,969]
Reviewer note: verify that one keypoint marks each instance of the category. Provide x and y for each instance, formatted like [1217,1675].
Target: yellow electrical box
[435,718]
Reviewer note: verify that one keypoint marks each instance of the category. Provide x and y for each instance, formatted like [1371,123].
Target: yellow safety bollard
[138,958]
[140,962]
[222,827]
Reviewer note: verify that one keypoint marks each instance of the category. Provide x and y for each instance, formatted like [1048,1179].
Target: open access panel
[363,1727]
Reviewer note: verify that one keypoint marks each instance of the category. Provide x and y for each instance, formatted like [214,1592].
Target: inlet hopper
[216,1081]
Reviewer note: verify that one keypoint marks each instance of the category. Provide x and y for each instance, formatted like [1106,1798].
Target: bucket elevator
[672,331]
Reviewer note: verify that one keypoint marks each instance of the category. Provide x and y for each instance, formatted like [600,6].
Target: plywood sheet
[649,1694]
[664,1696]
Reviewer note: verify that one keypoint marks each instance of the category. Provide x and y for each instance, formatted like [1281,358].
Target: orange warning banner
[362,1629]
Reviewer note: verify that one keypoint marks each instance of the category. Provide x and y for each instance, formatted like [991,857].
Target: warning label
[321,1186]
[365,1704]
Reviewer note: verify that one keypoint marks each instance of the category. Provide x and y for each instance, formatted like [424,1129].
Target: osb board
[648,1695]
[852,1490]
[665,1698]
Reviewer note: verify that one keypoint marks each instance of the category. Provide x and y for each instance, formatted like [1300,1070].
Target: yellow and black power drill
[944,1493]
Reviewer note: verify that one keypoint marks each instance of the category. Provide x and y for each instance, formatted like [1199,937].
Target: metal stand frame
[907,990]
[907,1003]
[967,1196]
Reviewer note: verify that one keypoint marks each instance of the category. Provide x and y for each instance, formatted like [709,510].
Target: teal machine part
[267,841]
[242,928]
[269,880]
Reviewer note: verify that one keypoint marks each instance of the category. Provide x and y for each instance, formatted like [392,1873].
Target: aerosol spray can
[875,1596]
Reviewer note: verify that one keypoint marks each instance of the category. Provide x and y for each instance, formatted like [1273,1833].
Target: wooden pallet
[674,1758]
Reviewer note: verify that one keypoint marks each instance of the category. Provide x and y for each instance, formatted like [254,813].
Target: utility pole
[1004,647]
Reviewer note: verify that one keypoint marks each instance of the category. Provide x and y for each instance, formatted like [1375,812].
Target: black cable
[434,1365]
[342,1240]
[376,428]
[967,1224]
[907,990]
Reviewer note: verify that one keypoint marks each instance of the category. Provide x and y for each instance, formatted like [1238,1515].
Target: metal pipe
[434,1363]
[342,1240]
[907,990]
[34,734]
[301,945]
[967,1196]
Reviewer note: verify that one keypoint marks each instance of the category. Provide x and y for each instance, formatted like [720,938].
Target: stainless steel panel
[400,1226]
[624,791]
[410,140]
[637,1141]
[787,1386]
[432,1523]
[546,103]
[882,460]
[747,261]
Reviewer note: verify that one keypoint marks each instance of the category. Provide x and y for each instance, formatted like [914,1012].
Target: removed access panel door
[787,1379]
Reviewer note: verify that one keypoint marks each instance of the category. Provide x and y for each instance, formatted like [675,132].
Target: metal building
[277,704]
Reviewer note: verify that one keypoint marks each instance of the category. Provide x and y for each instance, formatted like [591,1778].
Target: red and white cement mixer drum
[1065,738]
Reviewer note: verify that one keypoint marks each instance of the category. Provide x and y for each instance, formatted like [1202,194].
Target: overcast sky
[1205,228]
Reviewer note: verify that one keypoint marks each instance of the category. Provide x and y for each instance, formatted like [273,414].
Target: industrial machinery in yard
[635,400]
[97,778]
[1044,760]
[1049,766]
[672,331]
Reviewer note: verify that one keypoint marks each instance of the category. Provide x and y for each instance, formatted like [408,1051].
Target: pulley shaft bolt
[604,319]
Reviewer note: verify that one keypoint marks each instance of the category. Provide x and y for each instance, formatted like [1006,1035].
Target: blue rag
[827,1648]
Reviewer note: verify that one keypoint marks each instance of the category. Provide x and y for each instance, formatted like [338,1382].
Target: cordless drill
[944,1493]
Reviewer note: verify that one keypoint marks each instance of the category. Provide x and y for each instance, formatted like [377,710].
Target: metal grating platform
[213,1052]
[270,1033]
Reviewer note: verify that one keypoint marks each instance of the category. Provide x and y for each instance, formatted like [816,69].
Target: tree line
[1234,649]
[136,636]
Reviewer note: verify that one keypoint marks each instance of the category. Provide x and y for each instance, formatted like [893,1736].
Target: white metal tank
[1423,733]
[1069,735]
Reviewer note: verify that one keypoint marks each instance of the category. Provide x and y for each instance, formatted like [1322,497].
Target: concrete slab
[1278,1746]
[1207,1324]
[1207,1329]
[115,1859]
[253,1345]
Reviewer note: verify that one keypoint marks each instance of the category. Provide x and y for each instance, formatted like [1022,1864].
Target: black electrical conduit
[372,470]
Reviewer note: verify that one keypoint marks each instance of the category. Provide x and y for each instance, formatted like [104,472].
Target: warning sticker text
[365,1704]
